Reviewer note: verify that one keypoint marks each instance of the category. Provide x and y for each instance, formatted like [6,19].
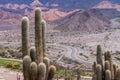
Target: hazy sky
[29,1]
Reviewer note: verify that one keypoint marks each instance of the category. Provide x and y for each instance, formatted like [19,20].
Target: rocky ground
[7,74]
[70,48]
[76,46]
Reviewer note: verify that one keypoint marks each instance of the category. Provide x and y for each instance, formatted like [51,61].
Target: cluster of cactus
[35,65]
[104,68]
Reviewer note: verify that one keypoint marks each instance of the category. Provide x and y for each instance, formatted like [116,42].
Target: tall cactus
[105,70]
[43,36]
[25,36]
[99,56]
[38,36]
[33,66]
[26,67]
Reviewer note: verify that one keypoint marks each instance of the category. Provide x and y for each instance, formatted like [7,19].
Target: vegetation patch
[12,64]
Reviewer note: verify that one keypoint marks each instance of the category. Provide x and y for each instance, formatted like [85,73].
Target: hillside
[89,21]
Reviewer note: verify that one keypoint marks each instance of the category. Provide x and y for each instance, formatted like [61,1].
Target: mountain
[107,4]
[67,4]
[72,4]
[54,14]
[22,9]
[60,13]
[9,21]
[88,20]
[36,3]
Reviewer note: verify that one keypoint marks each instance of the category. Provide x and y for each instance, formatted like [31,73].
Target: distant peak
[36,3]
[105,4]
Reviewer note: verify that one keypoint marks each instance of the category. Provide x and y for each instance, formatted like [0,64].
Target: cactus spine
[25,36]
[38,36]
[26,67]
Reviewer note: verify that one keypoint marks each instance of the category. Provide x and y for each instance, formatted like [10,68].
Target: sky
[29,1]
[116,1]
[20,1]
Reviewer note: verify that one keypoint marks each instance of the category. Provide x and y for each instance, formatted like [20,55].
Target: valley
[75,34]
[68,47]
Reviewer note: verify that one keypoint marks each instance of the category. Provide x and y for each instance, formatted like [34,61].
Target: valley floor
[79,48]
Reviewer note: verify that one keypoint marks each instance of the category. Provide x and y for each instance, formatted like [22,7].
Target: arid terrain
[71,47]
[73,33]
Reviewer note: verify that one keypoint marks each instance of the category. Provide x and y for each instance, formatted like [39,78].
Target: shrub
[13,65]
[4,53]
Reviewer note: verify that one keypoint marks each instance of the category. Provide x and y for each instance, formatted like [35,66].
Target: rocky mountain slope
[53,10]
[89,20]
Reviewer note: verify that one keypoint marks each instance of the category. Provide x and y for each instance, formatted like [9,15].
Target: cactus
[117,77]
[66,73]
[107,65]
[99,72]
[108,75]
[47,63]
[38,36]
[32,54]
[51,72]
[43,36]
[115,68]
[33,71]
[108,58]
[78,75]
[33,66]
[106,70]
[41,71]
[26,67]
[25,36]
[94,67]
[94,77]
[99,56]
